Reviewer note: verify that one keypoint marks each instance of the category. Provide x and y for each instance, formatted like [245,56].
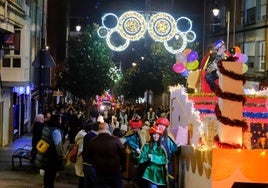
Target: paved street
[27,176]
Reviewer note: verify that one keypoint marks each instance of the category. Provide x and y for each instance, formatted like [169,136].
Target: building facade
[241,23]
[20,36]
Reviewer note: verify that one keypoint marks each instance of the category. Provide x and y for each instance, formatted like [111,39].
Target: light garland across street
[132,26]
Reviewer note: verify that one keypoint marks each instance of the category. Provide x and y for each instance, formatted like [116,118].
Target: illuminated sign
[132,26]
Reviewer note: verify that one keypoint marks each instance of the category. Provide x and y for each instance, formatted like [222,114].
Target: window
[251,16]
[16,63]
[6,62]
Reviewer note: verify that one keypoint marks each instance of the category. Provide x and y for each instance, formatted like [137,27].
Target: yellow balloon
[192,65]
[245,68]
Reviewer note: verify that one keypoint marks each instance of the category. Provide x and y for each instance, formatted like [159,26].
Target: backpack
[73,153]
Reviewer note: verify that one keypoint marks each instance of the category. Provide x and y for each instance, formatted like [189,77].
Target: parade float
[223,134]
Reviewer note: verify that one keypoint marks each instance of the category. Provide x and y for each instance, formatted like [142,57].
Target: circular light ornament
[132,25]
[184,24]
[178,44]
[111,19]
[112,45]
[190,36]
[162,27]
[102,32]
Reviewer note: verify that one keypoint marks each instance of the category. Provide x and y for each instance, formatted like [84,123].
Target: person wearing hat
[155,158]
[211,64]
[133,142]
[172,150]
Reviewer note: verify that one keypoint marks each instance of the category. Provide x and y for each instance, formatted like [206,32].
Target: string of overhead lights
[161,26]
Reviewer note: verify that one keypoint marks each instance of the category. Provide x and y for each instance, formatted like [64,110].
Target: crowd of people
[122,143]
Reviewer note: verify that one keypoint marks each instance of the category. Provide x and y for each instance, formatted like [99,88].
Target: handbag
[73,154]
[42,146]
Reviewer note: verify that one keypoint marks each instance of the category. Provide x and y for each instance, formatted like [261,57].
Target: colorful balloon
[192,65]
[245,58]
[187,51]
[237,50]
[178,67]
[181,57]
[245,68]
[192,56]
[241,58]
[185,73]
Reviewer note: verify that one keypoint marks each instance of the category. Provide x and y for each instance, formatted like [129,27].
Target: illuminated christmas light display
[132,26]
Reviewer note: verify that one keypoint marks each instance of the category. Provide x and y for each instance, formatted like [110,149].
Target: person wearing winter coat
[52,159]
[108,156]
[79,160]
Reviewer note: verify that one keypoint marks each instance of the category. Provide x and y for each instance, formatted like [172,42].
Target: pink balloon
[178,67]
[240,57]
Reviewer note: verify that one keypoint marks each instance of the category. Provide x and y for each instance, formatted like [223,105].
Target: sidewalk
[27,176]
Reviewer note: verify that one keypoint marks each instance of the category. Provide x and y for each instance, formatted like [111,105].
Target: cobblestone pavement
[27,176]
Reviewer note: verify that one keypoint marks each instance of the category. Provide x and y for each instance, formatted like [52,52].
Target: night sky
[93,10]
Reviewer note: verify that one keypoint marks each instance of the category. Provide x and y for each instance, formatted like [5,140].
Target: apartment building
[20,36]
[241,23]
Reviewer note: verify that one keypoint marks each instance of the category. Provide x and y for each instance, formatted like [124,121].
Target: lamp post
[216,13]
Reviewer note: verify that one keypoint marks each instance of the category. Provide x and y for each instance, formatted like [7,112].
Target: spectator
[52,160]
[151,116]
[89,170]
[133,142]
[108,156]
[37,133]
[79,160]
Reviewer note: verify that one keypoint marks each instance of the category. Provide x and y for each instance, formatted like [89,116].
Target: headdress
[162,121]
[155,129]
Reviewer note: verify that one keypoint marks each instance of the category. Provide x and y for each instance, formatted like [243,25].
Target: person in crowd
[52,160]
[115,123]
[120,132]
[122,116]
[155,158]
[88,169]
[79,139]
[37,133]
[172,150]
[106,113]
[72,124]
[108,155]
[211,65]
[133,142]
[151,116]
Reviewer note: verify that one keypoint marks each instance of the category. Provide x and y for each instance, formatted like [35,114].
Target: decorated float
[223,134]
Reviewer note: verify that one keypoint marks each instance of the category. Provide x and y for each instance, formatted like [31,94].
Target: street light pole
[228,28]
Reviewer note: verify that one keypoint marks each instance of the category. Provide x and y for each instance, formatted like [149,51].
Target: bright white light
[216,11]
[183,19]
[102,32]
[161,26]
[176,49]
[132,25]
[190,36]
[103,19]
[78,28]
[112,46]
